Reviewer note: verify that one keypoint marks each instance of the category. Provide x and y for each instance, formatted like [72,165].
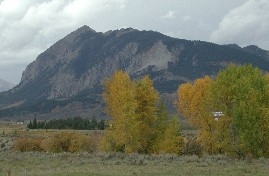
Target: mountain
[67,78]
[252,49]
[5,85]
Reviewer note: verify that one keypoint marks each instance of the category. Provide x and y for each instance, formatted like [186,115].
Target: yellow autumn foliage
[135,123]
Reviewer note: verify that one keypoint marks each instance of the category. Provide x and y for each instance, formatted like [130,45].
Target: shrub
[192,147]
[52,144]
[95,139]
[79,142]
[60,142]
[28,144]
[70,142]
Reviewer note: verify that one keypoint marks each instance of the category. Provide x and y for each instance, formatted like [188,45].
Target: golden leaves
[136,119]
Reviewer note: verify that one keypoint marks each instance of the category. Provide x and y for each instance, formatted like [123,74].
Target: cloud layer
[247,24]
[28,27]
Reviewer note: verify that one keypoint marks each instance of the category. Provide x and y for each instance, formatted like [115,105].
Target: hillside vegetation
[143,138]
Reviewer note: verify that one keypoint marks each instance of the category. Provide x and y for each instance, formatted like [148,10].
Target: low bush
[192,147]
[60,142]
[67,142]
[28,144]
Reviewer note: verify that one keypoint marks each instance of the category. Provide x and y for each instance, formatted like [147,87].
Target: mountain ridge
[71,72]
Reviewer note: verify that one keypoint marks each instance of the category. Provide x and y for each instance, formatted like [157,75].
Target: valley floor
[80,164]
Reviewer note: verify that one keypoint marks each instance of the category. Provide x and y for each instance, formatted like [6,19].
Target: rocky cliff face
[75,63]
[73,69]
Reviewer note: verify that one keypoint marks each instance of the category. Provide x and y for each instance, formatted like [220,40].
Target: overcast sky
[29,27]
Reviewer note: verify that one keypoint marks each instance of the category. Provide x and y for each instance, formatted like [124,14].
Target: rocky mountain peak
[60,53]
[84,29]
[256,50]
[73,69]
[124,31]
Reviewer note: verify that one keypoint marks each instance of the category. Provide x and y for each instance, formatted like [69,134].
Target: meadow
[97,163]
[78,164]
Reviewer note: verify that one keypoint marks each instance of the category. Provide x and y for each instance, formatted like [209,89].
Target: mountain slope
[70,73]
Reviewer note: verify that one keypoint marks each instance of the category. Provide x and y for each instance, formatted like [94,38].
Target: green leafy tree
[241,94]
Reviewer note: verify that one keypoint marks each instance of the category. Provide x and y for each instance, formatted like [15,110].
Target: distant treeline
[76,123]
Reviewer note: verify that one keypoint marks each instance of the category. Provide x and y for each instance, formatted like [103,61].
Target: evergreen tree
[94,124]
[35,123]
[101,124]
[30,125]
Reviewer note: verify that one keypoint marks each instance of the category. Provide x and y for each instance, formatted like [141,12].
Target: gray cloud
[28,28]
[169,15]
[247,24]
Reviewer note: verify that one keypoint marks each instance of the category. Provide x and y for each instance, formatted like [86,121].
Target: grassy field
[39,163]
[8,129]
[80,164]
